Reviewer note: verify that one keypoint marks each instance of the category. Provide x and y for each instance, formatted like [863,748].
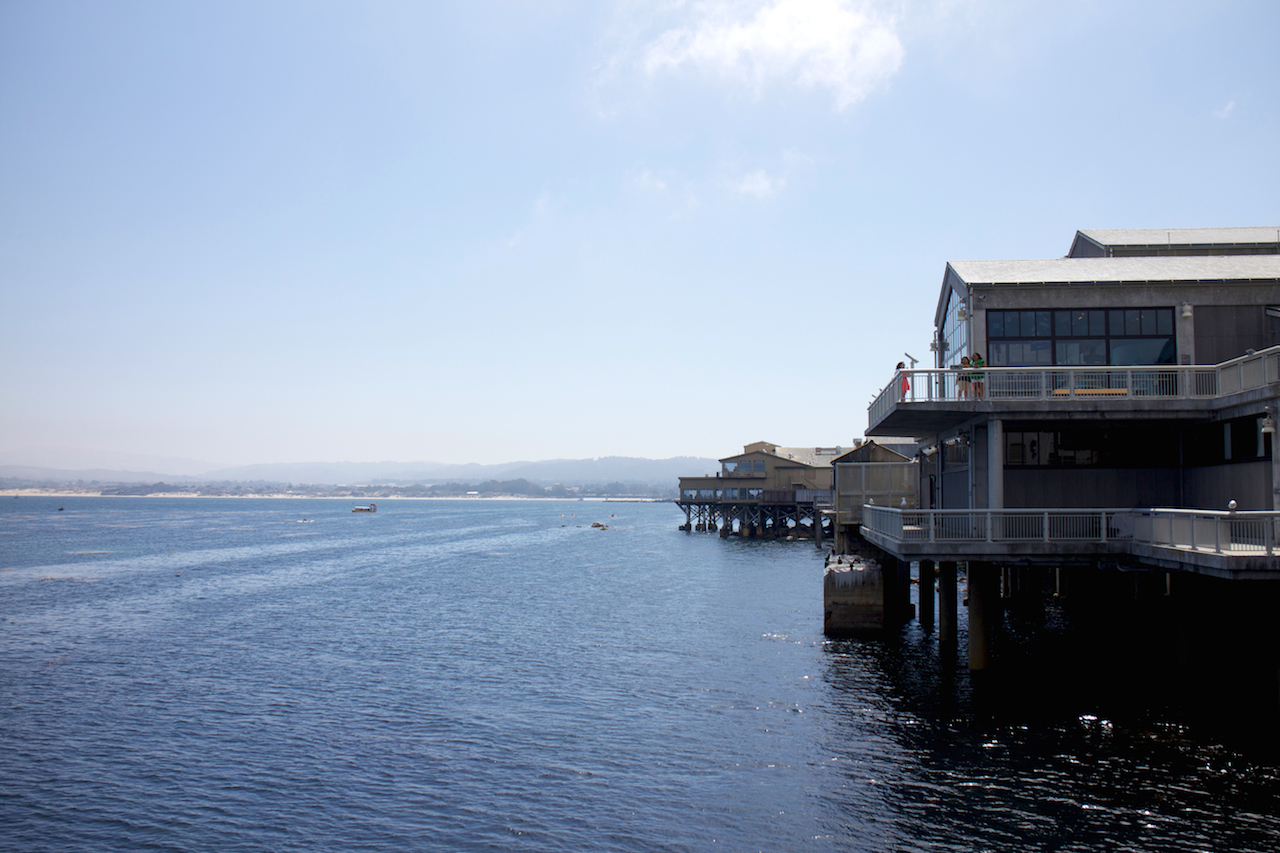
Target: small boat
[372,507]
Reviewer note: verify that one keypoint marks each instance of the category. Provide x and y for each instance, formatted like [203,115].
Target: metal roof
[1182,236]
[817,457]
[1118,270]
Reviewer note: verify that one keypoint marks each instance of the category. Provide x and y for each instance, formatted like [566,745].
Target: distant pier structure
[765,491]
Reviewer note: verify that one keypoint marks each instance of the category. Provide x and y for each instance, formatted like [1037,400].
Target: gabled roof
[1163,238]
[870,451]
[816,457]
[1118,270]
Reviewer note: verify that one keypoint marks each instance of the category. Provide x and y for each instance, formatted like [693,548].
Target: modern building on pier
[1122,422]
[766,490]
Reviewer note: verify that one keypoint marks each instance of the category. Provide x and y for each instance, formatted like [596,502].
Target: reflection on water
[1055,749]
[211,675]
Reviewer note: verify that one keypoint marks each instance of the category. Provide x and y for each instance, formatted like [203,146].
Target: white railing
[1207,530]
[1197,530]
[999,525]
[1072,383]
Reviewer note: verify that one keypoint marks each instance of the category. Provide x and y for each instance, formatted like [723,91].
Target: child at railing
[963,380]
[978,380]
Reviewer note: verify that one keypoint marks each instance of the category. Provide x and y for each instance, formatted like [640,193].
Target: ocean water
[223,674]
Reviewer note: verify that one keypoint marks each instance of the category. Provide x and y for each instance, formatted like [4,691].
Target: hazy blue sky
[523,229]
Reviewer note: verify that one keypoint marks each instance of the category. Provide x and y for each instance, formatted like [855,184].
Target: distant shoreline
[62,493]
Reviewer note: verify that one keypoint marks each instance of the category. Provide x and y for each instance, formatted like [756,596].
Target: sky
[500,230]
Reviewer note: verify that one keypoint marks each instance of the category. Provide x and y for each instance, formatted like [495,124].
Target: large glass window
[1084,336]
[954,337]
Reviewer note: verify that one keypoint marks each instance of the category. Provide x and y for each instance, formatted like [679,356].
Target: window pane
[1082,352]
[1080,323]
[1132,323]
[1015,451]
[999,353]
[1028,324]
[1047,449]
[1164,321]
[1141,351]
[1043,324]
[1029,353]
[995,324]
[1097,323]
[1148,321]
[1062,323]
[1117,322]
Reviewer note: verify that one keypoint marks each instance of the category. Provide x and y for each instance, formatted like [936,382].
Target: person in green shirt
[978,380]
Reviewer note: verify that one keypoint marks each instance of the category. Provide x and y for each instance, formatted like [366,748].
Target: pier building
[1117,435]
[872,474]
[766,490]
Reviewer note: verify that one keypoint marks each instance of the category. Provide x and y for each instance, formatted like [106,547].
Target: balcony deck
[1238,545]
[936,400]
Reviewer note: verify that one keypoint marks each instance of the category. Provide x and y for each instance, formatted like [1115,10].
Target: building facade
[1116,435]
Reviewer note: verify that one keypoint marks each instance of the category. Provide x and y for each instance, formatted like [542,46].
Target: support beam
[947,612]
[925,594]
[984,612]
[995,464]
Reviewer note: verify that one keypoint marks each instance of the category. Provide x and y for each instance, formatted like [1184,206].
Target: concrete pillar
[890,568]
[854,595]
[925,595]
[984,612]
[995,464]
[1186,335]
[947,613]
[897,590]
[1275,471]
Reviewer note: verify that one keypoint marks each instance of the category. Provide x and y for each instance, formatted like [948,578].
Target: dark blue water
[211,674]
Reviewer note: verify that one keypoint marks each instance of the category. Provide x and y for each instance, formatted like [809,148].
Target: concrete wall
[1209,487]
[1213,486]
[1223,332]
[955,490]
[1091,487]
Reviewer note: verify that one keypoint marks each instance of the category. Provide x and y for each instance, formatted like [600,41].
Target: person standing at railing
[962,381]
[978,380]
[906,382]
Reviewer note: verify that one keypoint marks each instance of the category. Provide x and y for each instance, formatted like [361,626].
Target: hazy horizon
[84,458]
[499,230]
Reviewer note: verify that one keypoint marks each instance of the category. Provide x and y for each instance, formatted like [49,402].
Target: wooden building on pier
[766,490]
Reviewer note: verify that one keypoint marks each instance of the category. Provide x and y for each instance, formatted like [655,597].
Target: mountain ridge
[605,469]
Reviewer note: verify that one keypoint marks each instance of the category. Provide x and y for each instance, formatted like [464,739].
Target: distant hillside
[29,473]
[89,461]
[568,472]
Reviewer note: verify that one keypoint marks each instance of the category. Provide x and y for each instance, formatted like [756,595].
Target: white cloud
[758,184]
[649,182]
[840,45]
[1227,110]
